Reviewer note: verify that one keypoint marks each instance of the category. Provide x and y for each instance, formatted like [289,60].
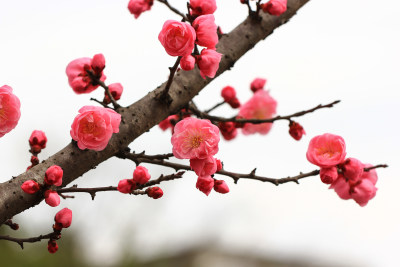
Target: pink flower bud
[260,106]
[326,150]
[188,62]
[328,175]
[275,7]
[208,62]
[221,187]
[296,130]
[52,246]
[52,198]
[115,90]
[228,93]
[169,122]
[204,167]
[205,184]
[126,186]
[30,187]
[137,7]
[98,63]
[141,175]
[195,138]
[53,175]
[37,141]
[63,219]
[78,77]
[219,165]
[257,84]
[234,103]
[228,130]
[364,192]
[353,169]
[94,126]
[206,31]
[202,7]
[34,160]
[9,110]
[154,192]
[341,187]
[177,38]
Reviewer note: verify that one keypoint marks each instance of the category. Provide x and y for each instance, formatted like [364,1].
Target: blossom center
[196,141]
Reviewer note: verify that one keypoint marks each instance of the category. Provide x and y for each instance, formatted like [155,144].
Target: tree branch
[139,117]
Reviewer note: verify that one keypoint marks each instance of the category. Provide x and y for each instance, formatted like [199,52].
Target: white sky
[347,50]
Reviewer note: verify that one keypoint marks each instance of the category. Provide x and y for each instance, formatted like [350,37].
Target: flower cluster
[179,39]
[53,177]
[80,72]
[197,140]
[348,177]
[63,219]
[94,126]
[9,110]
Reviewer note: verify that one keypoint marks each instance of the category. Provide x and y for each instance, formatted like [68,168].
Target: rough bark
[143,114]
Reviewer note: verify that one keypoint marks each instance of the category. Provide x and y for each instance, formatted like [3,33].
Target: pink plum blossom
[195,138]
[9,110]
[141,175]
[63,219]
[204,167]
[126,186]
[78,77]
[328,175]
[275,7]
[205,184]
[188,62]
[260,106]
[203,7]
[326,150]
[53,176]
[257,84]
[177,38]
[208,62]
[137,7]
[206,31]
[352,169]
[364,192]
[94,126]
[341,187]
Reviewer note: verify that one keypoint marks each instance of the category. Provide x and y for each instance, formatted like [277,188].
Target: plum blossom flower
[206,31]
[205,184]
[326,150]
[328,175]
[260,106]
[228,130]
[141,175]
[257,84]
[137,7]
[94,126]
[53,175]
[208,62]
[187,62]
[204,167]
[126,186]
[78,77]
[52,198]
[63,219]
[202,7]
[352,169]
[30,187]
[195,138]
[9,110]
[177,38]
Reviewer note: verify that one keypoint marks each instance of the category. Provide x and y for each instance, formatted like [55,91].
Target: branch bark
[142,115]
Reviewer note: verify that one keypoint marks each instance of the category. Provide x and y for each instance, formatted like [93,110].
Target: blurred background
[347,50]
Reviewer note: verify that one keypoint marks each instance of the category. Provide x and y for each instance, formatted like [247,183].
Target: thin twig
[173,9]
[257,121]
[20,241]
[165,96]
[214,107]
[100,102]
[96,81]
[375,167]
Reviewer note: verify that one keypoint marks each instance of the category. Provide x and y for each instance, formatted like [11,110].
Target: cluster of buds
[53,177]
[63,219]
[37,142]
[350,178]
[197,140]
[140,177]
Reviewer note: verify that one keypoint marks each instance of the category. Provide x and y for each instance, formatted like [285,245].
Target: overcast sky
[347,50]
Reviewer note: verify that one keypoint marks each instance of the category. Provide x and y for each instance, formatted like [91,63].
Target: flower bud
[52,198]
[98,63]
[34,160]
[328,175]
[126,186]
[53,176]
[228,130]
[63,219]
[205,184]
[204,167]
[257,84]
[116,92]
[221,187]
[353,169]
[52,246]
[228,93]
[37,141]
[154,192]
[219,165]
[296,130]
[30,187]
[188,62]
[141,175]
[275,7]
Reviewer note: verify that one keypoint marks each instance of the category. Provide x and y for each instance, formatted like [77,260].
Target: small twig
[375,167]
[257,121]
[214,107]
[96,81]
[165,96]
[20,241]
[100,102]
[173,9]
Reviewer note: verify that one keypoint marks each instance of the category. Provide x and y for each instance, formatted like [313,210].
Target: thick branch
[139,117]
